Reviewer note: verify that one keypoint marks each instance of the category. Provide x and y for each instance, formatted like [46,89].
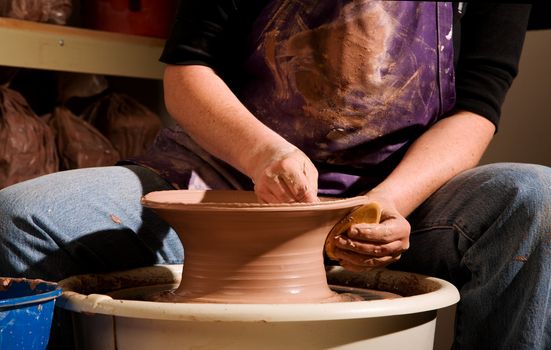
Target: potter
[268,96]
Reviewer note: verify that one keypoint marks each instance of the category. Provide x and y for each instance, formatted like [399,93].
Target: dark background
[540,17]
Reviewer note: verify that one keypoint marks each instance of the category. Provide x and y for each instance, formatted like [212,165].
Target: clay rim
[153,200]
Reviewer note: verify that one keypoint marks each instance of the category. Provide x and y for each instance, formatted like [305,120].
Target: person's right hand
[285,176]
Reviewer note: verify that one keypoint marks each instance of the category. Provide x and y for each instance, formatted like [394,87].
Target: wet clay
[240,251]
[6,282]
[341,294]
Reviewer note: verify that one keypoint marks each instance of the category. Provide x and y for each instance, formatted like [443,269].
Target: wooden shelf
[46,46]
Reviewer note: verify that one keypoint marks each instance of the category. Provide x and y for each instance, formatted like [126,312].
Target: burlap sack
[130,126]
[51,11]
[27,146]
[79,144]
[77,85]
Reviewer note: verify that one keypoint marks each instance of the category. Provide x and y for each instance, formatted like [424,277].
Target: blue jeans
[488,231]
[82,221]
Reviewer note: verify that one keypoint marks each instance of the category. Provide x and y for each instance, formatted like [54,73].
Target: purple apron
[351,83]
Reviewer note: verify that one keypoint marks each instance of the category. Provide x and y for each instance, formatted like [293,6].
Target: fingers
[366,246]
[302,189]
[293,186]
[265,195]
[361,261]
[370,249]
[278,189]
[298,177]
[391,229]
[311,174]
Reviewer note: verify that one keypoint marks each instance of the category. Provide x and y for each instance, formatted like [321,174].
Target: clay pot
[240,251]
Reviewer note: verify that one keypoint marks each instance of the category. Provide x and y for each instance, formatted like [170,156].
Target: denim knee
[13,204]
[526,185]
[503,191]
[12,210]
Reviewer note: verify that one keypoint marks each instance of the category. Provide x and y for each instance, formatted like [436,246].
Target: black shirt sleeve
[199,32]
[212,33]
[491,39]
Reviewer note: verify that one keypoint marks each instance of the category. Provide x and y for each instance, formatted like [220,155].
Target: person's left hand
[365,246]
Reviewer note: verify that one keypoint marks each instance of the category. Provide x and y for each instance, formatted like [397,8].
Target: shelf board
[47,46]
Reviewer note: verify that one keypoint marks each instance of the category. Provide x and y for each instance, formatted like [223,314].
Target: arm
[213,116]
[491,42]
[202,103]
[451,146]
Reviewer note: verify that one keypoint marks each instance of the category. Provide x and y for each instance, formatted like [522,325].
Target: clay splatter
[115,219]
[521,258]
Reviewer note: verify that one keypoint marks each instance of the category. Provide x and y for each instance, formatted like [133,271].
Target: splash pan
[107,315]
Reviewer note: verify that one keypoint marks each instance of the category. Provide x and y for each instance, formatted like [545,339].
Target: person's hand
[366,246]
[285,176]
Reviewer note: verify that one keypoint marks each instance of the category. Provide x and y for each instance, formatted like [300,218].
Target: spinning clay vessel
[240,251]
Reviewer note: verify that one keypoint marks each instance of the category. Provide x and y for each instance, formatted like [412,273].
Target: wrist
[388,198]
[260,156]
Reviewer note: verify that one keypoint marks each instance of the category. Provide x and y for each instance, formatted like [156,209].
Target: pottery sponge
[368,213]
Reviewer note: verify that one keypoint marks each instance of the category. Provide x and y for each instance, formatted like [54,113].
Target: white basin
[108,323]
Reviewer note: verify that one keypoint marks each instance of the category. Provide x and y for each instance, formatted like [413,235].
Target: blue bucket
[26,312]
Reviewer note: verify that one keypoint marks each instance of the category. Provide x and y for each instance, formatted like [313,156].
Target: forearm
[212,115]
[451,146]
